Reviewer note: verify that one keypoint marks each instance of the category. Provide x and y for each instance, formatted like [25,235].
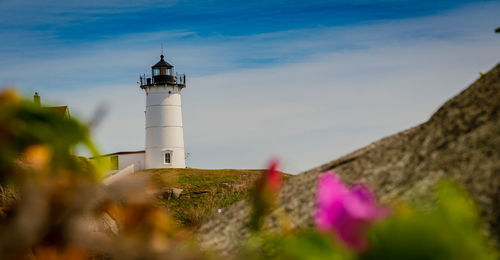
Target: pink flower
[273,176]
[265,192]
[346,212]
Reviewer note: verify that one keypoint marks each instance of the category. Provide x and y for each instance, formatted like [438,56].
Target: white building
[164,129]
[122,160]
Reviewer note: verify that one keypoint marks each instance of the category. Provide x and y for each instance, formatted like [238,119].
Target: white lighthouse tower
[164,130]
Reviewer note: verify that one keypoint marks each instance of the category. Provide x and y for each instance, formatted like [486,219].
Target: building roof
[162,63]
[118,153]
[62,110]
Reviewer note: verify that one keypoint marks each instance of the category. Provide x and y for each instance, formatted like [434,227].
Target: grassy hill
[203,191]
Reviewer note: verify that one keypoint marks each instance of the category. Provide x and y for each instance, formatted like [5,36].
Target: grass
[204,191]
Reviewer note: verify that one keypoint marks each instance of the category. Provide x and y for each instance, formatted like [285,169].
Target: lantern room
[163,72]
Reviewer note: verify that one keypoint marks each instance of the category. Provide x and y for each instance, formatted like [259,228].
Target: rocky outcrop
[461,141]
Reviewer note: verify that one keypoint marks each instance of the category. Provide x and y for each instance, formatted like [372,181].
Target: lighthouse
[164,129]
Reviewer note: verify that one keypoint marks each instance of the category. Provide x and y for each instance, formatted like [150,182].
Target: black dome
[162,64]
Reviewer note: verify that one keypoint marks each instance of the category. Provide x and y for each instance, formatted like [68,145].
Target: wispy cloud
[306,94]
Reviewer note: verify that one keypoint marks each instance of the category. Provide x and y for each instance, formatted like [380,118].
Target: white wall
[125,160]
[164,129]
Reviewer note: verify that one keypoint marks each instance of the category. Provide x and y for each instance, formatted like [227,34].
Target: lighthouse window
[167,158]
[156,72]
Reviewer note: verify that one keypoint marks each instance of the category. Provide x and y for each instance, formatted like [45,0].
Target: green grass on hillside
[204,191]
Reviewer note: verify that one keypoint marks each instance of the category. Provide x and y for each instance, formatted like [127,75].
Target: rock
[235,186]
[176,193]
[167,193]
[460,141]
[164,193]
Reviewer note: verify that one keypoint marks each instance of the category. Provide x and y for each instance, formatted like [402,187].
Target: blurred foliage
[39,138]
[303,244]
[54,206]
[450,229]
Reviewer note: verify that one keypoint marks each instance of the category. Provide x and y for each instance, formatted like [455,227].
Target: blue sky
[46,27]
[304,80]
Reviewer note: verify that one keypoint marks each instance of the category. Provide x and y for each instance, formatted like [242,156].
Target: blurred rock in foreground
[460,141]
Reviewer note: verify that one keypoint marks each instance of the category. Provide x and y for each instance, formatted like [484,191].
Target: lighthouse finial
[161,56]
